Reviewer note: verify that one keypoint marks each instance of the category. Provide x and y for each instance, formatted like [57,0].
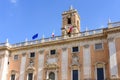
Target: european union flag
[35,36]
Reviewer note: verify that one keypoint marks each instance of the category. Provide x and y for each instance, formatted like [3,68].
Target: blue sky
[21,19]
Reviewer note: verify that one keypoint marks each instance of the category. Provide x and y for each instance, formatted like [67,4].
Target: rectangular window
[30,76]
[75,49]
[13,77]
[98,46]
[52,52]
[75,75]
[15,57]
[32,54]
[69,20]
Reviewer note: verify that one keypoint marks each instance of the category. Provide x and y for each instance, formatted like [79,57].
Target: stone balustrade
[56,38]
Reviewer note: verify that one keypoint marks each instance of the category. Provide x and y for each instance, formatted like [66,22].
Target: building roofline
[85,35]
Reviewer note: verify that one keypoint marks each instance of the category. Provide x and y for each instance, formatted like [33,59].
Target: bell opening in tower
[69,20]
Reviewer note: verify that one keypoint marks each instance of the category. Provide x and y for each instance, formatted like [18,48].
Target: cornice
[4,48]
[57,42]
[112,30]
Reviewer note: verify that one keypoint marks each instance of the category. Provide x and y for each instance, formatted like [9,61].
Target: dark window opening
[52,52]
[30,76]
[32,54]
[52,76]
[15,57]
[75,49]
[75,75]
[98,46]
[100,74]
[69,20]
[13,77]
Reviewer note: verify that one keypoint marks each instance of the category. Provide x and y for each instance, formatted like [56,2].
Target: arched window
[52,76]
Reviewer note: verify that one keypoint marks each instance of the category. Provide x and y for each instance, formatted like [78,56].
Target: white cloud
[13,1]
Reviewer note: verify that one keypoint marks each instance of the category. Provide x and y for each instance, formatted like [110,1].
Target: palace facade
[75,55]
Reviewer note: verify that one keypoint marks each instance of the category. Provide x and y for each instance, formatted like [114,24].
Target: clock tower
[70,22]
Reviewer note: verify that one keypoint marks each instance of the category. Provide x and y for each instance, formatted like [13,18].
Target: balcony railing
[114,24]
[2,44]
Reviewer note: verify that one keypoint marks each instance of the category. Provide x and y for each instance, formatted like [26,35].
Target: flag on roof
[70,30]
[53,35]
[35,36]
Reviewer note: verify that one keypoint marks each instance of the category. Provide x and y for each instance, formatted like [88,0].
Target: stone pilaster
[86,62]
[4,66]
[112,58]
[22,67]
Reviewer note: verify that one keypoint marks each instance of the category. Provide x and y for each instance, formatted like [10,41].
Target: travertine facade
[76,55]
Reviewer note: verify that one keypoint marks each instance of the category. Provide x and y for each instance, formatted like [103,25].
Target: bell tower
[70,22]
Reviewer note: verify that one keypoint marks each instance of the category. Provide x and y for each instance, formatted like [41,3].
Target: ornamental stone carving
[64,48]
[86,46]
[23,54]
[30,65]
[51,66]
[41,51]
[75,59]
[110,39]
